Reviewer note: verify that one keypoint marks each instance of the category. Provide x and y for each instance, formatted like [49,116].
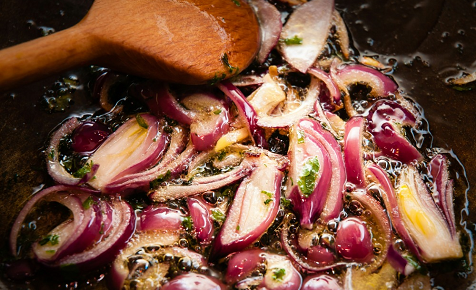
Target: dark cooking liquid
[397,29]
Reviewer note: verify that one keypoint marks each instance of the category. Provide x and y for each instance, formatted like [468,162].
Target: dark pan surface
[432,40]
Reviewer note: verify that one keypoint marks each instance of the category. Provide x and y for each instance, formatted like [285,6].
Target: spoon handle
[45,56]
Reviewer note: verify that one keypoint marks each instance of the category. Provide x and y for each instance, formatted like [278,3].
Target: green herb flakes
[267,193]
[51,155]
[218,216]
[88,202]
[51,239]
[278,274]
[292,40]
[237,228]
[301,136]
[268,201]
[161,178]
[307,179]
[237,3]
[217,112]
[286,203]
[187,223]
[227,64]
[141,121]
[50,251]
[84,170]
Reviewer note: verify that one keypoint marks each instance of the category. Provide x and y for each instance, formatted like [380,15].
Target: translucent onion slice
[424,221]
[242,264]
[265,99]
[309,23]
[334,93]
[202,219]
[381,84]
[254,208]
[353,155]
[194,281]
[159,217]
[321,282]
[136,146]
[270,27]
[281,274]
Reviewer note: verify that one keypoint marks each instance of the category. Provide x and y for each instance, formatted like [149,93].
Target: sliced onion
[254,208]
[32,202]
[334,200]
[121,229]
[321,282]
[398,262]
[246,112]
[202,184]
[211,120]
[334,94]
[132,148]
[424,221]
[353,156]
[194,281]
[174,160]
[303,148]
[201,218]
[381,119]
[381,84]
[243,263]
[265,99]
[443,189]
[55,169]
[342,35]
[88,136]
[353,241]
[287,119]
[270,26]
[389,197]
[160,217]
[281,274]
[311,23]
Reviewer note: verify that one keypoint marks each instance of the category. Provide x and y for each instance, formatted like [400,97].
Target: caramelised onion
[202,184]
[353,241]
[254,208]
[334,102]
[443,189]
[290,118]
[246,111]
[270,27]
[88,136]
[424,221]
[321,282]
[334,199]
[160,217]
[194,281]
[243,263]
[136,146]
[382,120]
[201,218]
[281,274]
[398,262]
[305,33]
[210,122]
[353,156]
[381,84]
[309,176]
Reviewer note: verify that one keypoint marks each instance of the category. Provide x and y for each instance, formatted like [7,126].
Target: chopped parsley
[161,178]
[292,40]
[267,193]
[227,64]
[286,203]
[51,155]
[88,202]
[268,201]
[307,179]
[216,79]
[278,274]
[217,215]
[141,121]
[300,135]
[217,112]
[50,251]
[84,170]
[187,223]
[237,3]
[237,227]
[52,239]
[413,262]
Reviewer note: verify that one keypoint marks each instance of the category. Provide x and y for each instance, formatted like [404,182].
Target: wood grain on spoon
[184,41]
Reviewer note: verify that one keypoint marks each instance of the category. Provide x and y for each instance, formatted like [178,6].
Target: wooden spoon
[183,41]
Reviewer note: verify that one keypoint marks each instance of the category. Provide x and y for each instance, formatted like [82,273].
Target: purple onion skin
[160,217]
[390,142]
[321,282]
[88,136]
[353,240]
[353,152]
[202,220]
[194,281]
[321,255]
[242,264]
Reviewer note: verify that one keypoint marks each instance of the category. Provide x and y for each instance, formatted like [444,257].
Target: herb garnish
[187,223]
[226,62]
[141,121]
[84,170]
[307,180]
[268,194]
[300,135]
[217,215]
[52,239]
[268,201]
[278,274]
[292,41]
[286,203]
[51,155]
[88,202]
[161,178]
[237,3]
[217,112]
[216,79]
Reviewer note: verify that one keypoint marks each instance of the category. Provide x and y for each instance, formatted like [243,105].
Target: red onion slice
[381,119]
[88,136]
[281,274]
[353,241]
[194,281]
[242,264]
[389,197]
[287,119]
[254,208]
[334,200]
[443,189]
[381,84]
[202,219]
[211,119]
[424,221]
[398,262]
[309,23]
[321,282]
[270,26]
[246,112]
[160,218]
[334,92]
[122,228]
[342,35]
[353,156]
[136,146]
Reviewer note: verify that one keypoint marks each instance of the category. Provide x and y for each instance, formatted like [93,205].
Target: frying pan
[430,40]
